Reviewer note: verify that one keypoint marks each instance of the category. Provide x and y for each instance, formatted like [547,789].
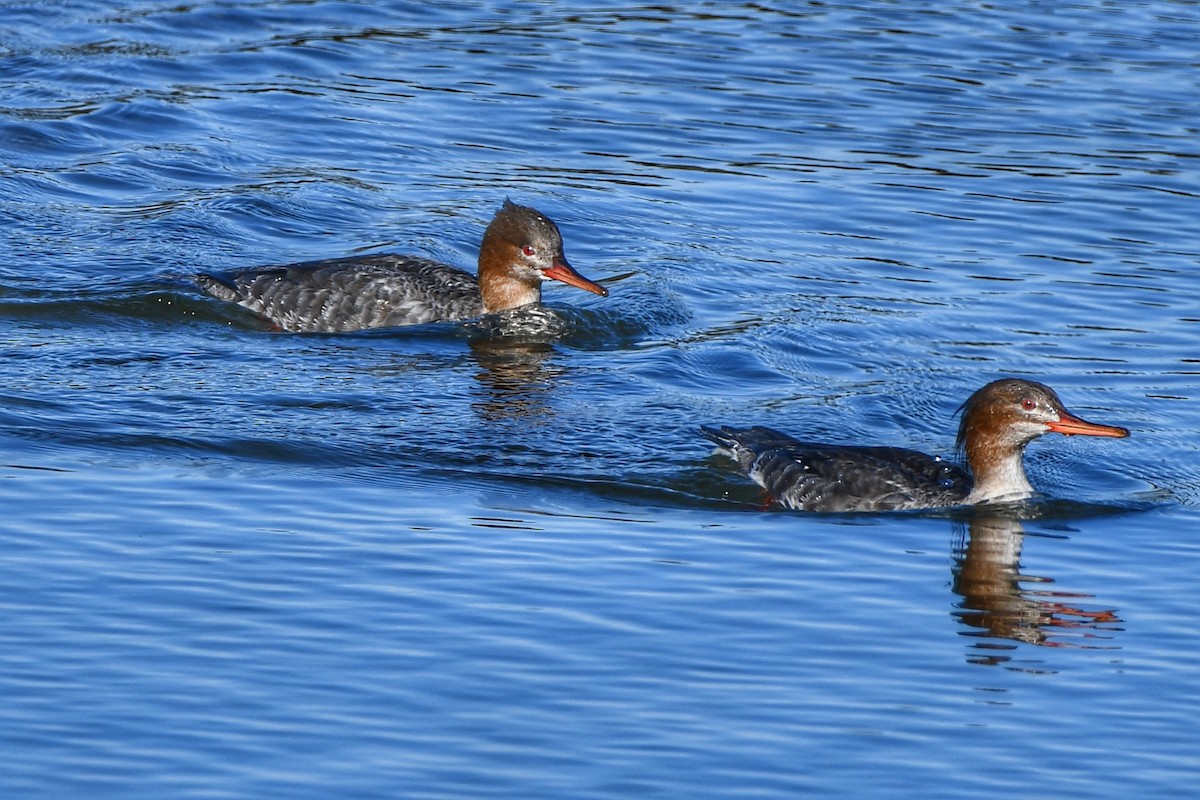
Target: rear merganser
[521,248]
[998,421]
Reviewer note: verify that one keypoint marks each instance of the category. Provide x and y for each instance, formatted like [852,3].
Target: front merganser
[521,248]
[997,422]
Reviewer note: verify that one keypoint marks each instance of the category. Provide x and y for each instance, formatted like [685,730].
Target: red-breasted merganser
[521,248]
[997,422]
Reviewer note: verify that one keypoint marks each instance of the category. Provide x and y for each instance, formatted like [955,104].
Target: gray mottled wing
[351,293]
[817,477]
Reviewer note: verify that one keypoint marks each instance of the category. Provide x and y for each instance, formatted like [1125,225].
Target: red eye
[1029,404]
[528,250]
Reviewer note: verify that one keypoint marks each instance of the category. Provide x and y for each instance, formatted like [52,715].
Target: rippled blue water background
[412,564]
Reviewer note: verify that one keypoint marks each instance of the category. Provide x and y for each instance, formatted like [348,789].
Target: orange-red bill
[562,271]
[1071,425]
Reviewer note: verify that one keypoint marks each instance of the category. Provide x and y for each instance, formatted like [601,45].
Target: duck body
[998,421]
[349,294]
[810,476]
[520,249]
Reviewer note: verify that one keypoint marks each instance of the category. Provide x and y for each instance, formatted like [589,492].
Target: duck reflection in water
[987,575]
[514,376]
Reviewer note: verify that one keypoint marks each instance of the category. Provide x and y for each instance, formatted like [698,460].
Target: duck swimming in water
[998,421]
[521,248]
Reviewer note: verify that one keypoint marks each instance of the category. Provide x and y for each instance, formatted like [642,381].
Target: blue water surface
[421,563]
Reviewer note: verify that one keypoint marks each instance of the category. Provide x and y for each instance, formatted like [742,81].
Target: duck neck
[500,293]
[998,469]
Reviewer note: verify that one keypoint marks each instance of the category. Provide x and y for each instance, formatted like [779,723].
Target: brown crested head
[1011,412]
[521,248]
